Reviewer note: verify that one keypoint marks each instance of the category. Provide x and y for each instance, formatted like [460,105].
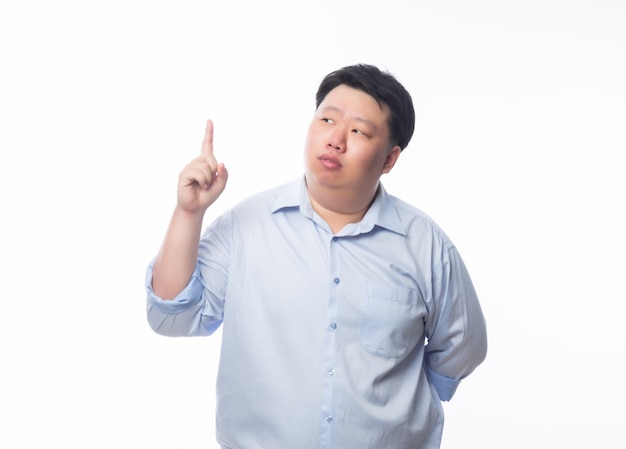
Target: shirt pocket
[393,320]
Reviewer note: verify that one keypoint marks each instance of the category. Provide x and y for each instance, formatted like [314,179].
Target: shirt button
[332,326]
[336,281]
[329,419]
[331,371]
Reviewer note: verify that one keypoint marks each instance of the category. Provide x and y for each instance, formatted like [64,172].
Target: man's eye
[328,120]
[357,131]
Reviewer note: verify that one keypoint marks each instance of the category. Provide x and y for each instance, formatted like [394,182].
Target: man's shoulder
[416,220]
[267,200]
[409,211]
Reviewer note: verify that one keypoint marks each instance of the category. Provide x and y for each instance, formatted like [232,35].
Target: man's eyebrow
[330,108]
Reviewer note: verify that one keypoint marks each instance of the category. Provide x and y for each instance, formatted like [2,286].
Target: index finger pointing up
[207,143]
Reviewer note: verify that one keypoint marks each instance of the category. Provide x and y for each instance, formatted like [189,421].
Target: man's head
[384,88]
[363,120]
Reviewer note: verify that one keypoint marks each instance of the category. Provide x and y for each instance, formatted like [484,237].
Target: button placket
[329,359]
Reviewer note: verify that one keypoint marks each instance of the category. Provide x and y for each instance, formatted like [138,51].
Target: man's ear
[392,157]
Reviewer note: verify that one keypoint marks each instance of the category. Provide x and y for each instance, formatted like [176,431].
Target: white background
[518,154]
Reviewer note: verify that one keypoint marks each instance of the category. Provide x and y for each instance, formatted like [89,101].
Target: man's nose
[337,140]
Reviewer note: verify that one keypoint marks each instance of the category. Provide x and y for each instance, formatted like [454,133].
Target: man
[347,314]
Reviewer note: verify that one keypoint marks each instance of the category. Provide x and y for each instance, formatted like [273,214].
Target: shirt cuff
[191,294]
[444,386]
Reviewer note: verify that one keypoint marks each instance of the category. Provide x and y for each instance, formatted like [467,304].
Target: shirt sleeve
[198,310]
[456,331]
[185,315]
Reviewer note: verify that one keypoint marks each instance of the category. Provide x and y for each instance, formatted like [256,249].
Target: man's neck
[338,210]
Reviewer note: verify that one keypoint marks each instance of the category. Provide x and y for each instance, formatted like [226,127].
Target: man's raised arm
[200,183]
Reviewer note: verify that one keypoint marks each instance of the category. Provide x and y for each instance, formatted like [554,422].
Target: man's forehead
[328,104]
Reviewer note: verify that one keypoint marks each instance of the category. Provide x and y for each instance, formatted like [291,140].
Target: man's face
[347,145]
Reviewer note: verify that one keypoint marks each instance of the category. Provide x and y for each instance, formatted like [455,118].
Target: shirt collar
[294,195]
[382,212]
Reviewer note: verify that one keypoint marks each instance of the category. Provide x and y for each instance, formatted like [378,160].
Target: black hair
[385,88]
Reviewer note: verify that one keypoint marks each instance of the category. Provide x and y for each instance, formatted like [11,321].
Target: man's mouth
[330,162]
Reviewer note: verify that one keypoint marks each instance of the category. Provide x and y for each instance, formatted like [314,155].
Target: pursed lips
[330,161]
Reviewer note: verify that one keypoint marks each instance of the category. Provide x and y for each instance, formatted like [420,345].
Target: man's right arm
[200,183]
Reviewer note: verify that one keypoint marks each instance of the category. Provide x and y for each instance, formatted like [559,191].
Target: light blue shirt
[346,340]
